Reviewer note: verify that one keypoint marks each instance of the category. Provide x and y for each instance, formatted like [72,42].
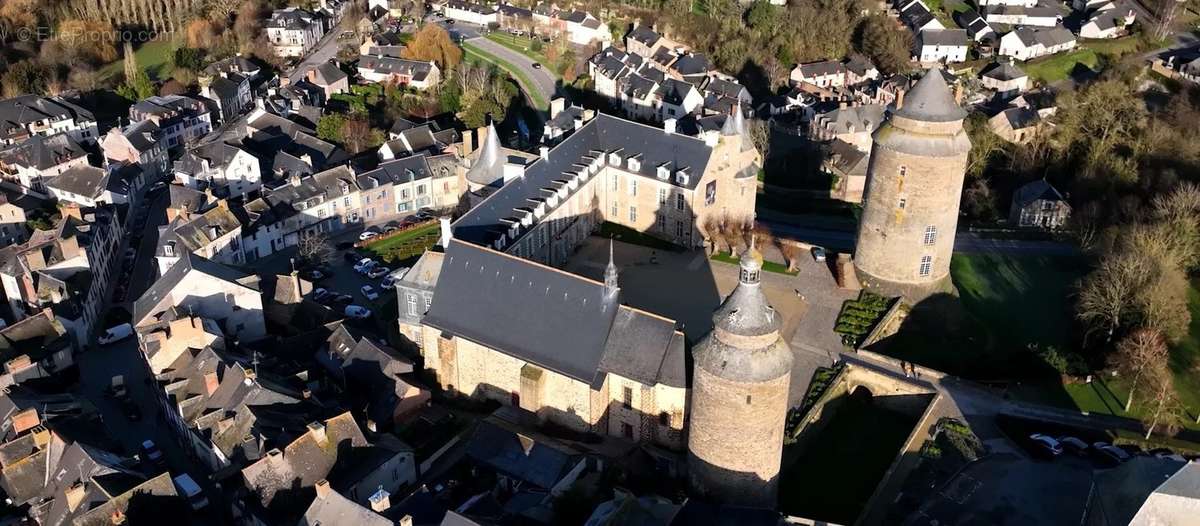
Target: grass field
[527,84]
[520,45]
[769,266]
[840,466]
[155,57]
[1005,303]
[1060,66]
[405,245]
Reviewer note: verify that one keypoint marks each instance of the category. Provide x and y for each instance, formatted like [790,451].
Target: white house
[1004,77]
[942,45]
[39,159]
[678,98]
[977,28]
[583,28]
[1044,15]
[823,74]
[89,186]
[181,119]
[227,169]
[206,289]
[400,71]
[1107,22]
[472,13]
[1025,43]
[293,32]
[29,115]
[917,15]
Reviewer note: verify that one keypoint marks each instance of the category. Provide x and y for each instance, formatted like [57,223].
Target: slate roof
[644,35]
[556,320]
[944,37]
[41,152]
[822,68]
[18,112]
[142,135]
[328,74]
[1046,36]
[603,134]
[1002,71]
[217,153]
[692,64]
[931,101]
[149,302]
[846,158]
[198,231]
[333,508]
[291,18]
[416,69]
[1039,190]
[87,181]
[499,446]
[398,171]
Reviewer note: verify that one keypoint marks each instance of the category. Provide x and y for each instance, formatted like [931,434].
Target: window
[404,193]
[664,419]
[614,210]
[633,214]
[614,182]
[627,397]
[346,201]
[747,399]
[680,203]
[412,305]
[926,265]
[678,228]
[930,234]
[421,189]
[632,186]
[903,171]
[660,221]
[662,196]
[902,204]
[428,302]
[627,431]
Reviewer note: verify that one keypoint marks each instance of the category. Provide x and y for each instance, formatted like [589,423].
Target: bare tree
[1138,353]
[1165,404]
[1108,293]
[314,249]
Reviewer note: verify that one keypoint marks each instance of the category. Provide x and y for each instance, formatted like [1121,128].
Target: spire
[489,164]
[751,264]
[610,274]
[931,101]
[735,125]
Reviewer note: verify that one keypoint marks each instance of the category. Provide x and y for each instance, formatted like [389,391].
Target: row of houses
[543,19]
[294,31]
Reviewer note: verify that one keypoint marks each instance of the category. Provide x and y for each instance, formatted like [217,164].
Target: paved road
[326,49]
[544,82]
[964,241]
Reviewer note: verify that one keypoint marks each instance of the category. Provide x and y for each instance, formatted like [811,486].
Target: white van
[116,334]
[191,491]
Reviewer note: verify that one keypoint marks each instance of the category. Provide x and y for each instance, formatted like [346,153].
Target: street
[545,84]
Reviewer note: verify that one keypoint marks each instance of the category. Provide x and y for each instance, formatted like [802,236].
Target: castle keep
[914,182]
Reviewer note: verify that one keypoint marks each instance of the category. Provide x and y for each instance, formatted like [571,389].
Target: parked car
[369,292]
[423,215]
[1045,445]
[537,66]
[191,491]
[818,254]
[367,234]
[342,298]
[357,312]
[151,454]
[1165,453]
[388,283]
[1073,445]
[115,334]
[390,229]
[1107,455]
[315,274]
[378,271]
[320,294]
[116,388]
[364,265]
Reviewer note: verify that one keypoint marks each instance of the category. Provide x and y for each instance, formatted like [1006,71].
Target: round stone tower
[740,379]
[914,182]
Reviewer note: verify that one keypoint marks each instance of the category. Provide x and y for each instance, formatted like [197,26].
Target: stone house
[229,89]
[1005,78]
[90,186]
[13,230]
[643,41]
[181,119]
[414,292]
[294,32]
[201,287]
[224,168]
[35,347]
[329,78]
[26,116]
[574,355]
[1016,125]
[215,234]
[1027,42]
[397,188]
[848,164]
[852,124]
[1038,204]
[823,74]
[39,159]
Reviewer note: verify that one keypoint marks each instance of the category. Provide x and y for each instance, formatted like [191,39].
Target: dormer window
[169,249]
[634,165]
[663,172]
[682,177]
[614,158]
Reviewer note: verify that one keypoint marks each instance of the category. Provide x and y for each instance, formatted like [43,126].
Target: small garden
[404,245]
[769,266]
[859,316]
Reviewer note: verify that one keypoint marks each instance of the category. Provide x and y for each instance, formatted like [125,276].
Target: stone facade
[651,413]
[914,182]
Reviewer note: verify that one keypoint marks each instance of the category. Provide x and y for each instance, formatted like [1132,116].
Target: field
[154,56]
[1006,303]
[1059,67]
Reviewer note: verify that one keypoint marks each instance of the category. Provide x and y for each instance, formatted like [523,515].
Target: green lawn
[769,266]
[1005,303]
[835,474]
[1059,67]
[406,245]
[520,45]
[527,84]
[155,56]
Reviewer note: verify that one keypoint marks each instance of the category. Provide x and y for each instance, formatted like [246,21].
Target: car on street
[1074,445]
[364,268]
[320,294]
[357,312]
[1045,445]
[152,455]
[423,215]
[369,292]
[316,274]
[818,254]
[378,271]
[115,334]
[341,298]
[537,66]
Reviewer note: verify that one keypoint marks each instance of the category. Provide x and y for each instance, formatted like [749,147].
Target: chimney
[578,122]
[406,520]
[446,232]
[380,501]
[311,75]
[307,159]
[211,383]
[284,81]
[317,430]
[468,143]
[294,179]
[556,106]
[75,496]
[669,125]
[25,420]
[41,436]
[322,487]
[842,104]
[899,99]
[544,152]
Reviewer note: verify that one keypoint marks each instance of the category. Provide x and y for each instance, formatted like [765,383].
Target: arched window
[930,235]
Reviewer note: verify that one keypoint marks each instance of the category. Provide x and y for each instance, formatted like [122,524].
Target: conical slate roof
[931,101]
[735,126]
[489,165]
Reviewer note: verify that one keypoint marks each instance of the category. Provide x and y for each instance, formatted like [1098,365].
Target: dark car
[1074,445]
[1107,455]
[316,274]
[537,66]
